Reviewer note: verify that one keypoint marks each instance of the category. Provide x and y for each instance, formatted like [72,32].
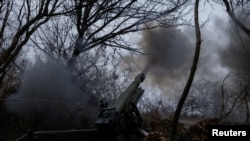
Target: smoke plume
[49,96]
[170,51]
[169,55]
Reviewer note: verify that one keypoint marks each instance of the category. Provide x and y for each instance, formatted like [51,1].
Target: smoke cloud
[236,55]
[169,55]
[49,96]
[170,51]
[225,48]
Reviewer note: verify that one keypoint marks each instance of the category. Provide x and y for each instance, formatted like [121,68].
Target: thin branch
[235,20]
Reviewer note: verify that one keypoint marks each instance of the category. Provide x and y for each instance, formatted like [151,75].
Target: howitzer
[122,118]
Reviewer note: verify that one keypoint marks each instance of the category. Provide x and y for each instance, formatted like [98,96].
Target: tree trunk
[191,76]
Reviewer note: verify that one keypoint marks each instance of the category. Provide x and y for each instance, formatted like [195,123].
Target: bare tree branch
[100,22]
[230,12]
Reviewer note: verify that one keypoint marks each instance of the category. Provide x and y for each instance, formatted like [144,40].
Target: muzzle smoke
[169,55]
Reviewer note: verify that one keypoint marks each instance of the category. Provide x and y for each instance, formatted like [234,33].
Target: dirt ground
[194,131]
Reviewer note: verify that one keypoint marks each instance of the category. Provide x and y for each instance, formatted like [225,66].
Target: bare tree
[55,39]
[235,94]
[19,21]
[191,75]
[103,23]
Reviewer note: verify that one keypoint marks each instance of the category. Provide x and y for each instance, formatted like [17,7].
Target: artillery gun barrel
[125,97]
[116,116]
